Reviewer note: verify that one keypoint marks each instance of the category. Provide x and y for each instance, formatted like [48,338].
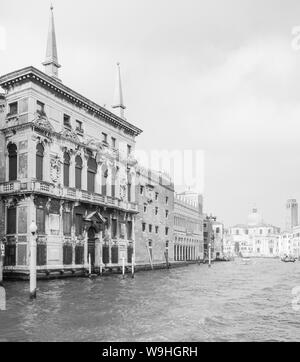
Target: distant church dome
[254,218]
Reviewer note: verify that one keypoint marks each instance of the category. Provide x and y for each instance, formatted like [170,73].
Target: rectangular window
[66,175]
[104,137]
[128,150]
[150,228]
[156,196]
[144,226]
[67,121]
[13,108]
[40,107]
[39,166]
[129,230]
[156,210]
[78,224]
[22,219]
[78,172]
[114,228]
[79,126]
[167,213]
[156,229]
[91,181]
[141,190]
[11,225]
[113,142]
[40,220]
[167,231]
[167,199]
[145,208]
[129,192]
[67,223]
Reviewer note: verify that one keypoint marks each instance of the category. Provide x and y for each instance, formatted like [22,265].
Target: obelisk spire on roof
[51,62]
[118,97]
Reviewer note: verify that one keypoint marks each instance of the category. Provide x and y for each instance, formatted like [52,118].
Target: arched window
[78,172]
[39,161]
[104,175]
[92,170]
[12,161]
[66,169]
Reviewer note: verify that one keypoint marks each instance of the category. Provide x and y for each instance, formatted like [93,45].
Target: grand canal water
[229,302]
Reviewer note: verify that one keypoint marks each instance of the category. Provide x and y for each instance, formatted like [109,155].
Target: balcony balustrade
[49,189]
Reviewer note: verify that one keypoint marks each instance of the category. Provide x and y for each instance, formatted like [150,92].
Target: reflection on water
[228,302]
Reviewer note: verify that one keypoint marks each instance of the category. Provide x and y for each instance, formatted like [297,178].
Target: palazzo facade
[155,220]
[188,227]
[66,164]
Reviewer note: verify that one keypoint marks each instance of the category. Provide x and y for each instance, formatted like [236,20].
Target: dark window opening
[40,220]
[67,121]
[13,162]
[40,108]
[92,170]
[39,161]
[13,108]
[78,172]
[114,228]
[79,126]
[66,169]
[11,222]
[104,137]
[78,224]
[67,223]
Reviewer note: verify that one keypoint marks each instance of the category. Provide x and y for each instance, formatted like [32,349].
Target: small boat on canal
[288,259]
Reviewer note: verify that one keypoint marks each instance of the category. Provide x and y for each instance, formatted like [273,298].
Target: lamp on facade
[33,230]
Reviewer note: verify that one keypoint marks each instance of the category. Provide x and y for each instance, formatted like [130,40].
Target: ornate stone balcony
[48,189]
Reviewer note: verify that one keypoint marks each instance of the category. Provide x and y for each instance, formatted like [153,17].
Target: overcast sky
[215,75]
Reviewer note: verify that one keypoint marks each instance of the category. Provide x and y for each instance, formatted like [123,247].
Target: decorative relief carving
[11,202]
[42,122]
[70,135]
[55,169]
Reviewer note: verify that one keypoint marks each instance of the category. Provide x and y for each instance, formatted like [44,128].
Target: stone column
[31,157]
[85,238]
[133,236]
[32,218]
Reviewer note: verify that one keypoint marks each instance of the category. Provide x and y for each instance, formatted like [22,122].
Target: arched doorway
[91,244]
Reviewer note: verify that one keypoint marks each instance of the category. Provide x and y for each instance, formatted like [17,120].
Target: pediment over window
[95,216]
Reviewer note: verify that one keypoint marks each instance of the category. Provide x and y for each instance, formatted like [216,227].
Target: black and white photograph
[149,174]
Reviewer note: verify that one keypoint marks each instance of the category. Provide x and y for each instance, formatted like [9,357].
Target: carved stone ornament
[92,143]
[123,191]
[70,135]
[123,184]
[11,202]
[55,169]
[42,123]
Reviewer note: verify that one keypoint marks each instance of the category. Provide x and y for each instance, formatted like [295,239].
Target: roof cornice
[33,74]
